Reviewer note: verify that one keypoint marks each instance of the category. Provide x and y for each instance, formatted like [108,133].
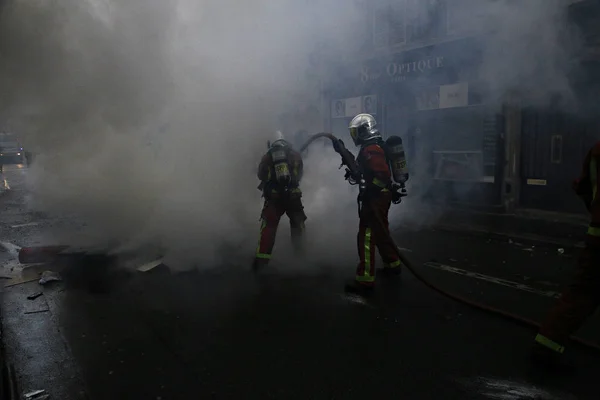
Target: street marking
[356,299]
[493,388]
[24,225]
[492,279]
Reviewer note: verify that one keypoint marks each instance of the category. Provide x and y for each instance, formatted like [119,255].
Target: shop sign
[399,71]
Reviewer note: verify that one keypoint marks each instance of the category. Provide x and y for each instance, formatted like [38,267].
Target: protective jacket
[587,188]
[266,174]
[374,165]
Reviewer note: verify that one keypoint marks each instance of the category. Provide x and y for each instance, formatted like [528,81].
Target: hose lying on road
[484,307]
[461,299]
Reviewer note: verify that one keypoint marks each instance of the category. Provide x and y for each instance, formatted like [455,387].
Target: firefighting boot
[359,288]
[392,269]
[550,360]
[259,263]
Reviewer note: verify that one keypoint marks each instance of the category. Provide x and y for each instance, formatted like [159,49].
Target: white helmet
[362,129]
[279,140]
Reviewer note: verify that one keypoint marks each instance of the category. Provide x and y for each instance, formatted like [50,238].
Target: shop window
[466,16]
[428,98]
[425,19]
[397,22]
[388,23]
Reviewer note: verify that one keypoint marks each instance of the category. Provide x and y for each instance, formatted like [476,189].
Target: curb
[524,238]
[8,377]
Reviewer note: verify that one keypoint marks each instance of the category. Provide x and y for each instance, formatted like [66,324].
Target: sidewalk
[526,226]
[532,226]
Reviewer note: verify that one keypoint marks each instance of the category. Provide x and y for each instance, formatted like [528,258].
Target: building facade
[466,145]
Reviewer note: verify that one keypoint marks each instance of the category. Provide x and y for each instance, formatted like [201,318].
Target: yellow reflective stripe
[552,345]
[593,231]
[384,190]
[394,264]
[593,176]
[263,256]
[367,277]
[379,183]
[296,190]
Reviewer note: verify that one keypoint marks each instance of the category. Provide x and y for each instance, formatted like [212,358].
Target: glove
[338,146]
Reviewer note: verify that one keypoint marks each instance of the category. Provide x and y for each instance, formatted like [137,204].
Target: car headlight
[18,154]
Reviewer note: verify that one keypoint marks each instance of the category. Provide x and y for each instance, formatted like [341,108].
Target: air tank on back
[397,159]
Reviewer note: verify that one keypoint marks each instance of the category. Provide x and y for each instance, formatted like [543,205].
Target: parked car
[11,150]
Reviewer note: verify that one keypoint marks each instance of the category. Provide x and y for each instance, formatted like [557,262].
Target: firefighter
[280,172]
[579,300]
[375,197]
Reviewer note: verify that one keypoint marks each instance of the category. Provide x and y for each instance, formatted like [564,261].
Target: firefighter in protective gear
[579,300]
[280,171]
[375,199]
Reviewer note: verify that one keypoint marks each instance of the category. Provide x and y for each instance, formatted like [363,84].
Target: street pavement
[107,332]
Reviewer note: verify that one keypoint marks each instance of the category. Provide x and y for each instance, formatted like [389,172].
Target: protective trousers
[576,303]
[374,232]
[272,212]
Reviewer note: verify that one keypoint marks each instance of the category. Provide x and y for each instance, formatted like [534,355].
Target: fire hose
[349,160]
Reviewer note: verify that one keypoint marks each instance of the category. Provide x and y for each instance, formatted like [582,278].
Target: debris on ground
[34,296]
[37,311]
[25,225]
[10,248]
[150,265]
[35,394]
[49,276]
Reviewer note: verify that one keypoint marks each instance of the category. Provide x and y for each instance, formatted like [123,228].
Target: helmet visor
[354,133]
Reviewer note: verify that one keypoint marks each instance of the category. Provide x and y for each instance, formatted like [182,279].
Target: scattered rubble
[24,225]
[150,265]
[49,276]
[34,296]
[36,395]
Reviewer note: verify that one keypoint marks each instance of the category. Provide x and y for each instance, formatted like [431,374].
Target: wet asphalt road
[106,333]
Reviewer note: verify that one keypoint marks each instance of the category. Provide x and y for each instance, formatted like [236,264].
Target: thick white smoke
[529,49]
[150,116]
[527,59]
